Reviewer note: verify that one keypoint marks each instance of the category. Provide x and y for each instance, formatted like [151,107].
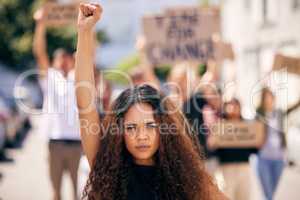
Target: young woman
[234,162]
[142,149]
[271,155]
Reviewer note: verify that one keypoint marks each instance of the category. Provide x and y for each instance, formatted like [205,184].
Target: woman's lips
[143,147]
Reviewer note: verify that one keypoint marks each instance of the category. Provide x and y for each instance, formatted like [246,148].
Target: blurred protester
[57,83]
[192,109]
[234,162]
[212,114]
[143,73]
[271,155]
[181,82]
[104,91]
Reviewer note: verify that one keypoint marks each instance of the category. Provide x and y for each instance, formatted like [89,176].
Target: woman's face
[141,133]
[233,110]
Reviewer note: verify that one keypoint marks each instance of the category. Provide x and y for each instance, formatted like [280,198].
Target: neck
[63,72]
[145,162]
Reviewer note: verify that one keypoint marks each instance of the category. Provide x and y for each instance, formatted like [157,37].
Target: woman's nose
[142,134]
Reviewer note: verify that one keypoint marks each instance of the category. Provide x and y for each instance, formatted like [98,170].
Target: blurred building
[258,29]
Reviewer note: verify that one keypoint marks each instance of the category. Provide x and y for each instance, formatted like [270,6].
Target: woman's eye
[152,125]
[130,128]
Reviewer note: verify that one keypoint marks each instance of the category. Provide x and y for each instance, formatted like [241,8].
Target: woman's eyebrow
[130,124]
[135,124]
[151,122]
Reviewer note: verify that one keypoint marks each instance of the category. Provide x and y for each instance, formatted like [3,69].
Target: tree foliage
[16,34]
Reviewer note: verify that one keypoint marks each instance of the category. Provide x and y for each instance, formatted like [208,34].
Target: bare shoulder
[216,193]
[211,192]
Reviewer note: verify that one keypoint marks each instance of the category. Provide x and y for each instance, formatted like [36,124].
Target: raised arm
[147,68]
[39,43]
[89,14]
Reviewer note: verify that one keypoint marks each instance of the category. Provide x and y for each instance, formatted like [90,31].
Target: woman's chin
[143,159]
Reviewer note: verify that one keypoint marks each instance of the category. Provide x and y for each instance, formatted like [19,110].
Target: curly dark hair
[180,168]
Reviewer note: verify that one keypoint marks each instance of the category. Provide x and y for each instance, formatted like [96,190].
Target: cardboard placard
[61,14]
[229,134]
[213,10]
[291,63]
[183,34]
[208,19]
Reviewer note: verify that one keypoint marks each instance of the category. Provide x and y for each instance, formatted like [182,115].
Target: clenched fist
[39,15]
[89,14]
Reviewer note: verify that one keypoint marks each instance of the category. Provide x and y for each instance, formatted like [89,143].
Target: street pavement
[27,178]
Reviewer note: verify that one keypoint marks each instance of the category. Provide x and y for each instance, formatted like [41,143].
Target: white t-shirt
[59,106]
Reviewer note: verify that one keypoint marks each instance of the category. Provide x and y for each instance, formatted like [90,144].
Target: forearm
[84,71]
[39,42]
[39,48]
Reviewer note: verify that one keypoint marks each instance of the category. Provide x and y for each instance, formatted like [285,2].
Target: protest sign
[61,14]
[292,64]
[183,34]
[231,134]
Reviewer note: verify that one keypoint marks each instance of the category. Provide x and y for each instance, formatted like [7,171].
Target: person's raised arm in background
[39,43]
[145,67]
[89,14]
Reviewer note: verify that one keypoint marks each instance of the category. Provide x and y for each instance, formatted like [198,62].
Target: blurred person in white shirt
[57,83]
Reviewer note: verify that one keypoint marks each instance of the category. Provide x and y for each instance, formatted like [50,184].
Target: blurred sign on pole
[183,34]
[292,64]
[61,14]
[229,134]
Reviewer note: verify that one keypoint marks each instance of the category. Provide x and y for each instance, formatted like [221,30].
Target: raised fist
[89,14]
[39,15]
